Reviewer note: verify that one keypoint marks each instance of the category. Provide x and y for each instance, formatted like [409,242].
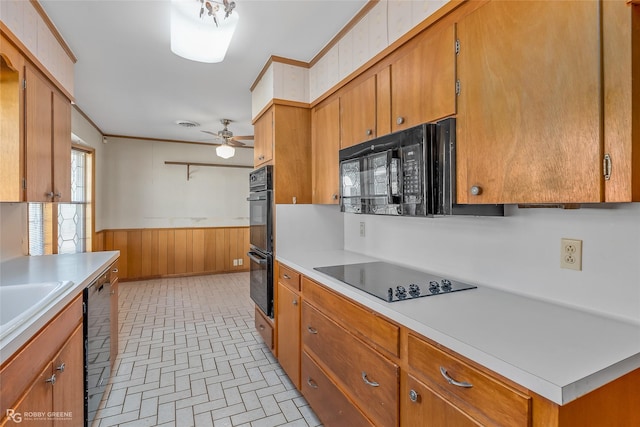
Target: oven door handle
[256,199]
[254,258]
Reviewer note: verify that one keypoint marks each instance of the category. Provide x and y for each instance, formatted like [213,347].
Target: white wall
[520,252]
[308,227]
[13,225]
[141,191]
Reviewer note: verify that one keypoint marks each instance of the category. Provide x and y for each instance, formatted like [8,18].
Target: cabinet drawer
[489,401]
[289,277]
[368,378]
[380,333]
[333,407]
[265,327]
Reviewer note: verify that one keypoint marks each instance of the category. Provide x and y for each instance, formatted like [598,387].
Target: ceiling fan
[226,149]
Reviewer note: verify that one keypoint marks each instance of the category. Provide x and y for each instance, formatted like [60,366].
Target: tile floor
[190,356]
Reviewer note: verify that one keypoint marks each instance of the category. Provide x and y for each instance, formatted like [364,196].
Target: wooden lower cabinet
[264,327]
[421,406]
[43,384]
[288,332]
[370,379]
[326,399]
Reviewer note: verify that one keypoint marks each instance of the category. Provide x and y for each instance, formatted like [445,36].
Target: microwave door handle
[394,179]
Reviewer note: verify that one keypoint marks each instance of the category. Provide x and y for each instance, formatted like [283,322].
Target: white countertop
[81,269]
[557,352]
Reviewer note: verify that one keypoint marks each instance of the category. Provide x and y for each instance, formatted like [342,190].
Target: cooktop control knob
[401,292]
[446,285]
[390,294]
[434,287]
[414,290]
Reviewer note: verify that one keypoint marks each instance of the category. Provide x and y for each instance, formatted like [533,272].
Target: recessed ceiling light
[187,123]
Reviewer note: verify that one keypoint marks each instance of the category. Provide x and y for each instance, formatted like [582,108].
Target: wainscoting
[165,252]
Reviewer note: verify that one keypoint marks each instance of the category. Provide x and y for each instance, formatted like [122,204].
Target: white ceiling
[129,83]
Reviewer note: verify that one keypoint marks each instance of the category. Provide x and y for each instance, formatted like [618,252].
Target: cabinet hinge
[457,46]
[606,167]
[24,83]
[457,87]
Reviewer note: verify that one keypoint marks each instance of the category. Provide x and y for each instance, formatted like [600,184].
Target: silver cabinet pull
[312,330]
[115,270]
[369,132]
[312,383]
[286,276]
[367,382]
[400,120]
[261,157]
[61,367]
[452,381]
[261,327]
[413,395]
[295,302]
[476,190]
[51,380]
[49,194]
[334,196]
[58,195]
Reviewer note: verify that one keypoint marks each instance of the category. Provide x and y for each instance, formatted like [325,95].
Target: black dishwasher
[97,342]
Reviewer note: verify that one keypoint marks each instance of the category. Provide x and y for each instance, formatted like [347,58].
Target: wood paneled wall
[162,252]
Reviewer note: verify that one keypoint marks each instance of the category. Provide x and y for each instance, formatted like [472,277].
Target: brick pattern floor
[190,356]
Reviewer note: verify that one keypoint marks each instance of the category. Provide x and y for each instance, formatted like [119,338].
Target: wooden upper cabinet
[48,141]
[423,80]
[358,113]
[11,122]
[263,139]
[621,50]
[325,140]
[291,154]
[529,124]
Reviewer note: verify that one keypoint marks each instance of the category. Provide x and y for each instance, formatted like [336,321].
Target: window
[71,229]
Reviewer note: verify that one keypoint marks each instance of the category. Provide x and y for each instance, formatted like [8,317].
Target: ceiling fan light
[199,39]
[225,151]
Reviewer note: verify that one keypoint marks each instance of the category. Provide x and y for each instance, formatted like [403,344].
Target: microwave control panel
[412,191]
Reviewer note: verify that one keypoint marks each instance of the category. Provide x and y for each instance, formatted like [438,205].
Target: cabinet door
[263,139]
[11,125]
[39,399]
[288,332]
[325,148]
[61,148]
[420,406]
[39,151]
[358,113]
[423,80]
[68,392]
[528,128]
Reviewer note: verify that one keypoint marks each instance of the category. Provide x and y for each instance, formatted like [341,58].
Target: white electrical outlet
[239,261]
[235,262]
[571,254]
[362,229]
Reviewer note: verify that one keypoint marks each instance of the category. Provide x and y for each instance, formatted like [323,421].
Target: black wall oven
[261,238]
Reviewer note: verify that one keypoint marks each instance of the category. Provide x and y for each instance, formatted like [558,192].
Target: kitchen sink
[19,303]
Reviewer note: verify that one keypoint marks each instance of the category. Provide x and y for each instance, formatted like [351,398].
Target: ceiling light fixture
[201,30]
[225,151]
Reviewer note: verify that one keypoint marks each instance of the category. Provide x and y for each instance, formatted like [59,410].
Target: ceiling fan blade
[232,142]
[209,132]
[242,138]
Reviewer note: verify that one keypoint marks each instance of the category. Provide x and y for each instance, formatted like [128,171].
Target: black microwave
[410,173]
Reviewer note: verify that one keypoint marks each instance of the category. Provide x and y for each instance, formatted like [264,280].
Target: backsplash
[519,253]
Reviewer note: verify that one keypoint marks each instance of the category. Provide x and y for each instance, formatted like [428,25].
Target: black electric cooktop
[392,282]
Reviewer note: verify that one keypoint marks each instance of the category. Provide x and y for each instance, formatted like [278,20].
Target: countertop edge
[558,393]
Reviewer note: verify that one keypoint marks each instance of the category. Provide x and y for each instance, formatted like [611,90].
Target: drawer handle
[115,270]
[312,330]
[286,276]
[452,381]
[312,383]
[367,382]
[261,327]
[413,395]
[51,380]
